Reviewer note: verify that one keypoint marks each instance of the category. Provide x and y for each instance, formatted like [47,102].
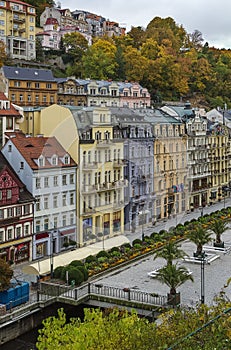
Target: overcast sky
[211,17]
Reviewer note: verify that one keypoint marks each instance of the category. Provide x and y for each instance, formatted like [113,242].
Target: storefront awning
[43,267]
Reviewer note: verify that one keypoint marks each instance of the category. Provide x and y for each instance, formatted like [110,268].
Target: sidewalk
[173,221]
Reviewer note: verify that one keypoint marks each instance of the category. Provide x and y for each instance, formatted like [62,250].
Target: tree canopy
[6,274]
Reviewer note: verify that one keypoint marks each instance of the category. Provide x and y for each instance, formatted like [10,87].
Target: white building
[49,173]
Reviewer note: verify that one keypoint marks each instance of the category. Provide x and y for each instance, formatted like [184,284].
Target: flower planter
[219,245]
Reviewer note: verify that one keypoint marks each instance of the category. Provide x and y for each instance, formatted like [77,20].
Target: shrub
[75,274]
[137,246]
[154,234]
[90,258]
[102,259]
[136,241]
[163,232]
[125,245]
[76,263]
[102,253]
[58,272]
[116,253]
[114,249]
[84,272]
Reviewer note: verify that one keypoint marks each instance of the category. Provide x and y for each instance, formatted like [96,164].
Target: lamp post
[51,255]
[203,278]
[141,213]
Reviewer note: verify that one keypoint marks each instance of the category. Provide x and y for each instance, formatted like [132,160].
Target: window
[18,211]
[64,180]
[1,214]
[72,219]
[9,194]
[13,95]
[64,220]
[26,209]
[18,232]
[44,98]
[66,160]
[55,201]
[9,123]
[29,98]
[55,181]
[38,182]
[64,199]
[46,224]
[41,161]
[21,98]
[37,226]
[31,28]
[21,165]
[48,85]
[28,84]
[17,84]
[46,181]
[2,22]
[36,98]
[37,85]
[9,148]
[55,222]
[31,19]
[10,233]
[45,202]
[26,230]
[72,198]
[1,236]
[72,179]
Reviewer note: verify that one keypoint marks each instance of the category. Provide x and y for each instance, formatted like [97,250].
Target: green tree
[135,64]
[200,236]
[171,251]
[6,274]
[100,60]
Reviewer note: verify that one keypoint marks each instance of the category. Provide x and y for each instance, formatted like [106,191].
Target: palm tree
[173,276]
[170,252]
[200,236]
[218,227]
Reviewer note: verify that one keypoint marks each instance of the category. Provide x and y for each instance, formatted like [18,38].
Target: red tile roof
[11,111]
[31,148]
[51,20]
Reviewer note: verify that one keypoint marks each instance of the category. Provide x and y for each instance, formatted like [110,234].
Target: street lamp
[202,277]
[51,255]
[142,213]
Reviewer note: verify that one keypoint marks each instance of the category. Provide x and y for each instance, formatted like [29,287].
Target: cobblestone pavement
[216,275]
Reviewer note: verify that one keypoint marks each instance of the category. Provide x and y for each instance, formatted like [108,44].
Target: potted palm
[200,236]
[218,227]
[173,276]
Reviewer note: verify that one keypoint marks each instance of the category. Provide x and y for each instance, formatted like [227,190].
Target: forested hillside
[170,62]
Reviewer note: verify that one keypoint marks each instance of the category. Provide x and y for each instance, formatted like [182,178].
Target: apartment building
[29,86]
[17,29]
[49,173]
[80,92]
[16,216]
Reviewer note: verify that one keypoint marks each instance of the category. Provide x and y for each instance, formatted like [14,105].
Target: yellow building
[29,86]
[170,167]
[17,29]
[87,135]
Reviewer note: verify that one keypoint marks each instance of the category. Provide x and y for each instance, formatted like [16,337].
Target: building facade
[49,173]
[17,29]
[16,216]
[29,86]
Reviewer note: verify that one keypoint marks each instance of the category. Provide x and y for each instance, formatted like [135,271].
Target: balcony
[90,166]
[88,211]
[89,189]
[104,143]
[118,163]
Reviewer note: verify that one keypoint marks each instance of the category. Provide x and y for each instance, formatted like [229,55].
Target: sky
[211,17]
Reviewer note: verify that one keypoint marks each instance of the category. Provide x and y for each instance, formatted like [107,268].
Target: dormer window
[66,159]
[41,161]
[54,160]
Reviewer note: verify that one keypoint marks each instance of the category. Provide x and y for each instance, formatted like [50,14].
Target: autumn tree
[6,274]
[100,60]
[3,55]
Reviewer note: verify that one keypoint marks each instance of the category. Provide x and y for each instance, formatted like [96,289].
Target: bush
[116,253]
[137,241]
[58,272]
[102,259]
[75,274]
[90,259]
[76,263]
[125,245]
[84,272]
[163,232]
[137,246]
[114,249]
[154,234]
[102,253]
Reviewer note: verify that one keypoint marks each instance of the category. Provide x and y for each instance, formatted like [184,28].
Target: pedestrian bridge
[97,294]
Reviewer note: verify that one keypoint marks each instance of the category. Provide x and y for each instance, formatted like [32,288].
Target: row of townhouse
[38,87]
[134,167]
[137,166]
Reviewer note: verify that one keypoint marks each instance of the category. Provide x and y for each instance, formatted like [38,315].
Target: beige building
[170,167]
[17,29]
[87,135]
